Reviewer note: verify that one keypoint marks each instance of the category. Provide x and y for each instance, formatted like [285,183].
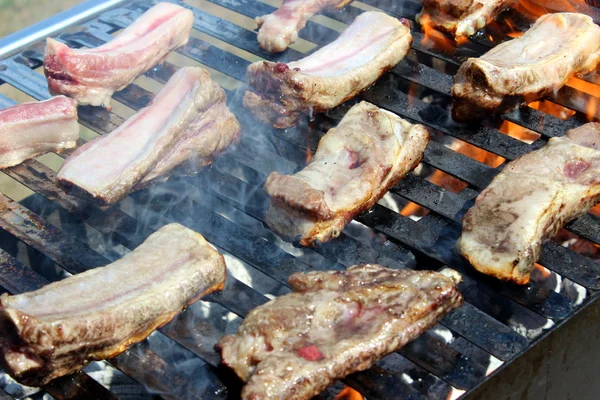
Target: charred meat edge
[333,324]
[39,347]
[490,239]
[494,83]
[280,94]
[298,212]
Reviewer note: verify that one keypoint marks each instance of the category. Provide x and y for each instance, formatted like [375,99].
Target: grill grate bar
[139,98]
[178,330]
[286,274]
[255,205]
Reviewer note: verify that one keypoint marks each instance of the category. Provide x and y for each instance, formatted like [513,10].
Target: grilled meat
[522,70]
[30,129]
[97,314]
[529,201]
[333,324]
[278,30]
[91,76]
[183,129]
[461,18]
[280,94]
[354,166]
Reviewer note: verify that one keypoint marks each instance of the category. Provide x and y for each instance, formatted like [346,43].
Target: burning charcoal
[529,201]
[280,94]
[333,324]
[91,76]
[59,328]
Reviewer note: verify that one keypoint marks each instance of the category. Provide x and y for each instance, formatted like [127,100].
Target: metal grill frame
[434,363]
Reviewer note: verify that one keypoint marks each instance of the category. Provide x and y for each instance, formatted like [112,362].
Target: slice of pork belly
[183,129]
[280,94]
[333,324]
[461,18]
[59,328]
[529,201]
[354,166]
[522,70]
[30,129]
[278,30]
[91,76]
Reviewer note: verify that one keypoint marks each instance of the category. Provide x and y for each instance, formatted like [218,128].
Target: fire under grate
[48,235]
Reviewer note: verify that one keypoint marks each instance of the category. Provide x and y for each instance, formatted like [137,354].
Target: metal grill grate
[226,202]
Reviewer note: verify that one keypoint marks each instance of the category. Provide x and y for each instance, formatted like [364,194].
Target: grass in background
[18,14]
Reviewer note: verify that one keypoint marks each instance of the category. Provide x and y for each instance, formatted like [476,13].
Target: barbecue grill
[49,234]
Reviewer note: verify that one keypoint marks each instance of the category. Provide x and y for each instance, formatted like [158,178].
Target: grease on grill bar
[497,321]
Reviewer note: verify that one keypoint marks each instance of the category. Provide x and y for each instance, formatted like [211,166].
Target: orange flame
[348,394]
[541,271]
[553,109]
[434,38]
[308,155]
[536,8]
[592,107]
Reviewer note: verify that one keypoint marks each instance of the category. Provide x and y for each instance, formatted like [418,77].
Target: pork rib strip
[461,18]
[529,201]
[355,164]
[331,325]
[97,314]
[278,30]
[517,72]
[30,129]
[183,129]
[280,94]
[91,76]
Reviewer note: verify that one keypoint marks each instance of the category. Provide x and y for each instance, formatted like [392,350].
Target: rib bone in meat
[522,70]
[91,76]
[97,314]
[333,324]
[278,30]
[529,201]
[354,166]
[280,94]
[30,129]
[463,17]
[183,129]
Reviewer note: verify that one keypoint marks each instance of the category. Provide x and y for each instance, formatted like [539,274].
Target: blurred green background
[19,14]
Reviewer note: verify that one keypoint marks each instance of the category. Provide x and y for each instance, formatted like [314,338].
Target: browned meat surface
[59,328]
[278,30]
[280,94]
[333,324]
[522,70]
[185,127]
[91,76]
[463,17]
[30,129]
[354,166]
[529,201]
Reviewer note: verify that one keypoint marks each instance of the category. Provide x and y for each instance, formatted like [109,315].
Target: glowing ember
[518,132]
[348,394]
[553,109]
